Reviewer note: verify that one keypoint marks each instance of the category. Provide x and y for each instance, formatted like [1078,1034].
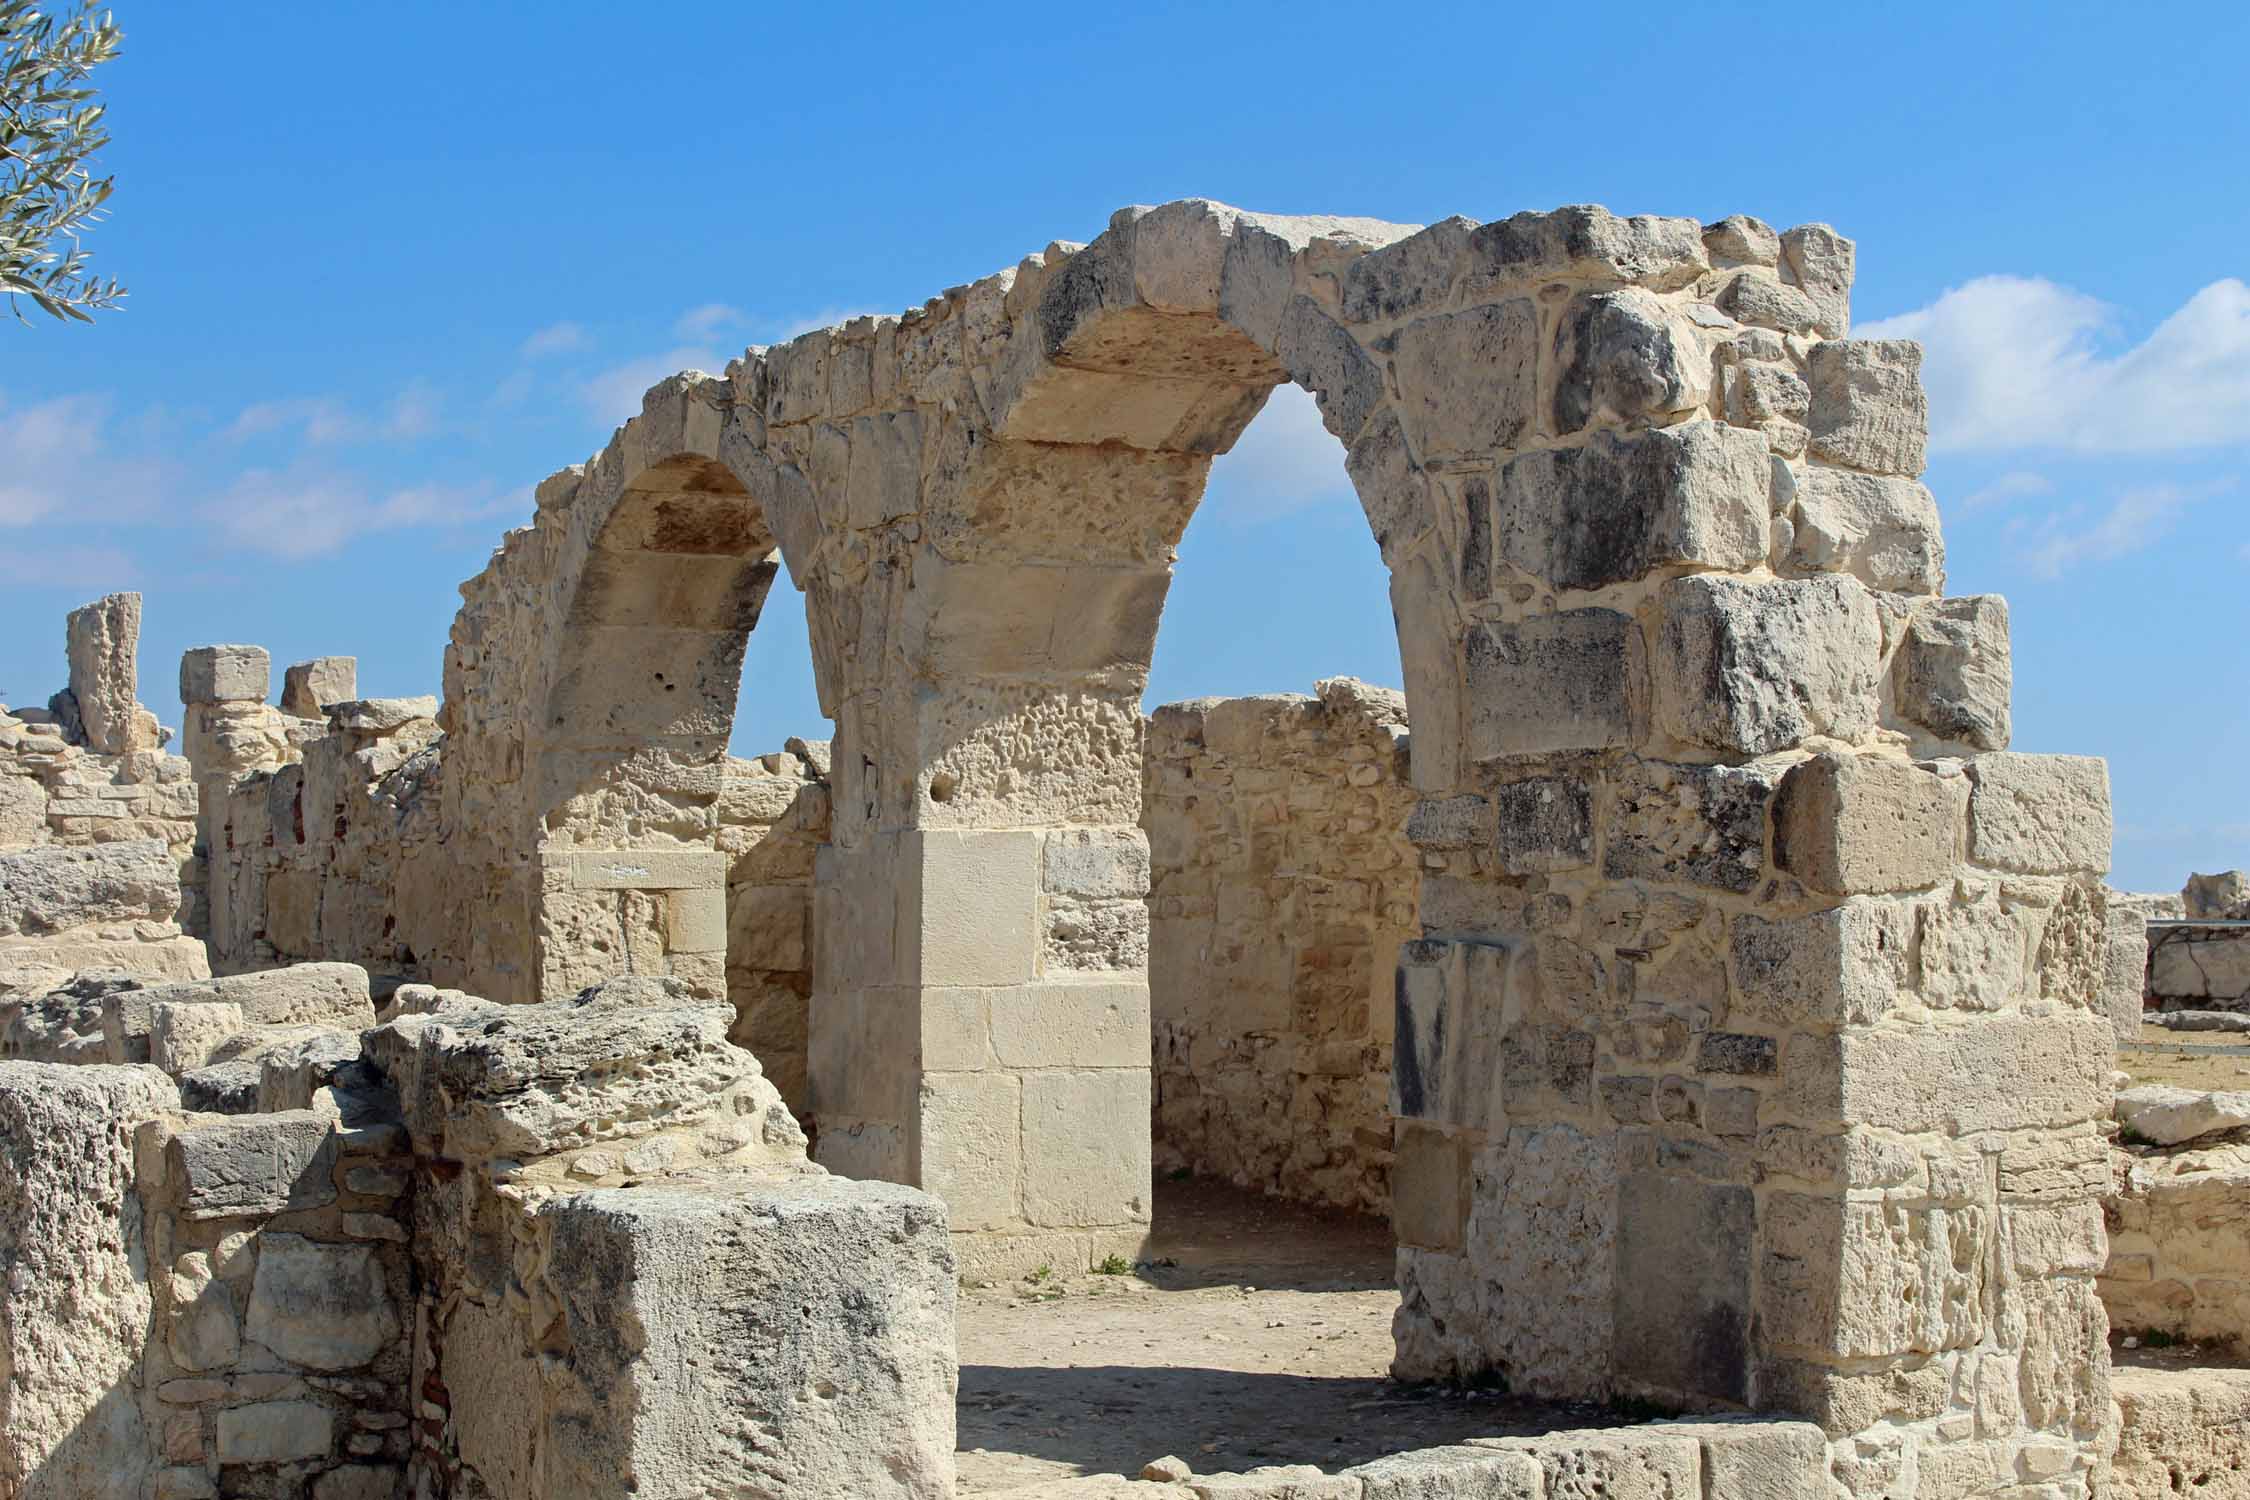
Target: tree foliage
[50,128]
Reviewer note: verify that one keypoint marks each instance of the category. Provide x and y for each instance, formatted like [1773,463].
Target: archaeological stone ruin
[509,1093]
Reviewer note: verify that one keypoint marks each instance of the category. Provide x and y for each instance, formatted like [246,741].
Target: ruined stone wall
[1281,887]
[90,771]
[773,818]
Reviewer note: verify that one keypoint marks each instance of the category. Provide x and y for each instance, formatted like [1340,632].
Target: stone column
[104,644]
[226,733]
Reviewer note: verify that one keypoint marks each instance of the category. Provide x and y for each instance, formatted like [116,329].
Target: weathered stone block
[1823,262]
[1543,825]
[2040,814]
[182,1038]
[103,641]
[225,674]
[648,870]
[1954,672]
[1429,1188]
[308,687]
[1452,1472]
[1566,681]
[1468,381]
[1884,532]
[1705,825]
[1070,1024]
[1621,507]
[276,1432]
[75,1307]
[1844,966]
[1683,1285]
[972,1147]
[1845,824]
[1748,667]
[972,906]
[327,1307]
[255,1165]
[1584,241]
[1614,1463]
[1937,1077]
[1096,862]
[1085,1147]
[1868,410]
[1623,358]
[830,1314]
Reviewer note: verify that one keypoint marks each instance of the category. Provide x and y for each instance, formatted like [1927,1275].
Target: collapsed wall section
[1281,887]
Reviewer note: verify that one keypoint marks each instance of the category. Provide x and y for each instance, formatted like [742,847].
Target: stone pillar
[307,687]
[103,644]
[1751,1054]
[226,732]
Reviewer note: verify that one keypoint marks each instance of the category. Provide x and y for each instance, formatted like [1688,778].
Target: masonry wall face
[1282,886]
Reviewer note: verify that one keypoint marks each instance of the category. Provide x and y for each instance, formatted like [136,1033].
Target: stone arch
[591,690]
[1748,1024]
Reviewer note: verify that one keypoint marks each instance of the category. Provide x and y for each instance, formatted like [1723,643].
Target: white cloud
[699,324]
[1284,461]
[72,567]
[555,338]
[2135,521]
[2016,484]
[615,393]
[58,459]
[412,413]
[2018,362]
[307,513]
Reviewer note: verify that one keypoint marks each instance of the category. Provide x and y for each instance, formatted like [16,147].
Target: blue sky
[390,266]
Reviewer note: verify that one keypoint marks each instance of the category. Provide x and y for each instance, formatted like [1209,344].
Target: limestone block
[1450,1003]
[1747,667]
[648,870]
[1742,240]
[617,1062]
[1452,1472]
[359,1482]
[1936,1077]
[1869,1279]
[1564,681]
[972,1147]
[1704,825]
[1468,381]
[225,674]
[1616,1463]
[1843,966]
[380,716]
[1085,1147]
[2171,1116]
[1325,359]
[1884,532]
[1823,262]
[1429,1188]
[1070,1024]
[2184,1429]
[1543,825]
[255,1165]
[2199,965]
[1764,301]
[307,687]
[971,904]
[2221,897]
[1846,824]
[325,994]
[1543,1225]
[56,888]
[2040,814]
[23,811]
[1753,1458]
[1096,863]
[695,921]
[1683,1285]
[1954,672]
[182,1038]
[75,1307]
[1868,410]
[276,1432]
[827,1328]
[1276,1482]
[1621,507]
[1625,358]
[202,1333]
[103,643]
[1583,242]
[769,927]
[323,1306]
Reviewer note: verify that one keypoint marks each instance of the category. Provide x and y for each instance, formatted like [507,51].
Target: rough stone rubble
[1749,1046]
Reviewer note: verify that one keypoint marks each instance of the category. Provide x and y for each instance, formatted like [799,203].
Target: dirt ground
[2189,1059]
[1257,1333]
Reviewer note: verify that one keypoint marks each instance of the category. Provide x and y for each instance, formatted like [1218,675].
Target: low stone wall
[87,771]
[109,907]
[2183,1430]
[2196,965]
[1281,887]
[509,1253]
